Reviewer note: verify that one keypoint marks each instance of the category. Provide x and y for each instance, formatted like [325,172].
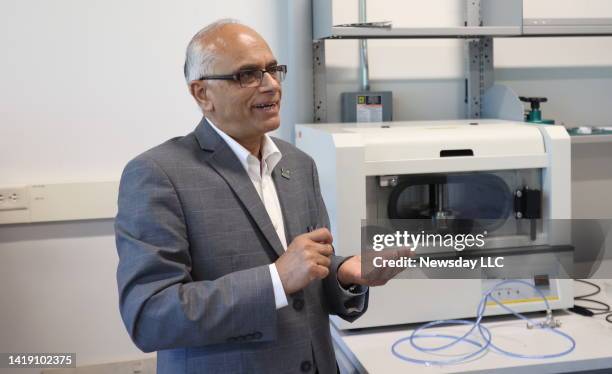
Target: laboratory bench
[369,350]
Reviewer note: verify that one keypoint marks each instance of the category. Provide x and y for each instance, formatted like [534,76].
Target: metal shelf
[338,32]
[567,27]
[536,28]
[484,18]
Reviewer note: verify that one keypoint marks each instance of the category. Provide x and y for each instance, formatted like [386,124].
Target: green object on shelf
[534,115]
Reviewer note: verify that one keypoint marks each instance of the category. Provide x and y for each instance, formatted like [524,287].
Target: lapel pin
[286,173]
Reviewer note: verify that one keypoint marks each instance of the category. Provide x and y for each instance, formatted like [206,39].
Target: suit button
[298,304]
[305,366]
[257,335]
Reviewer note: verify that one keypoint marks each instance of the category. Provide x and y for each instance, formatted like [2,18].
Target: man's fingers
[380,276]
[321,235]
[323,260]
[405,252]
[377,283]
[320,271]
[323,249]
[395,253]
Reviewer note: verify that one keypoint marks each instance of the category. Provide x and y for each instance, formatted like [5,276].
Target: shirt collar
[270,154]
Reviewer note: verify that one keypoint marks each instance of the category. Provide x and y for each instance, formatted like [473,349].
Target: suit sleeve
[161,305]
[347,305]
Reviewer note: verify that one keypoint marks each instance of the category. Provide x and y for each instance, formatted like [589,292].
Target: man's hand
[350,273]
[306,259]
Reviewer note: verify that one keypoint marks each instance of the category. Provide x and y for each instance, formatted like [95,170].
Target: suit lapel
[285,189]
[225,162]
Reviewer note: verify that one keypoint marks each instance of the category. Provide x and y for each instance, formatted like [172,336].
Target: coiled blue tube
[485,333]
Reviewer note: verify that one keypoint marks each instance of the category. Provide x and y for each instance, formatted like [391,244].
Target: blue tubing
[485,334]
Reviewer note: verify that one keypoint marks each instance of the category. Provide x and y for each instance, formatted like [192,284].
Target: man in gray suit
[226,263]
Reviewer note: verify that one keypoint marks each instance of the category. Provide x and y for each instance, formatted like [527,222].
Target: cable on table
[605,308]
[549,324]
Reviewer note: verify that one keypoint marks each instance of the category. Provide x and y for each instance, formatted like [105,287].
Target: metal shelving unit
[484,21]
[483,18]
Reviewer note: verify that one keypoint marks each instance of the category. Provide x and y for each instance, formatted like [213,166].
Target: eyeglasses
[251,77]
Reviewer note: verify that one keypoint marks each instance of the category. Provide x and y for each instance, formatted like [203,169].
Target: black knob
[534,101]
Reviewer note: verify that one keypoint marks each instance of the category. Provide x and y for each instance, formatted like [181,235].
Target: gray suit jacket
[194,243]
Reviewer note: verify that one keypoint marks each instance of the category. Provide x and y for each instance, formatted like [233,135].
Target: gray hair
[199,59]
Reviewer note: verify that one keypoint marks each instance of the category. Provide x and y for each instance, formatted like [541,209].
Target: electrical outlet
[14,198]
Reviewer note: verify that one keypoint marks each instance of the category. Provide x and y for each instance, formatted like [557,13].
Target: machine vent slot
[456,153]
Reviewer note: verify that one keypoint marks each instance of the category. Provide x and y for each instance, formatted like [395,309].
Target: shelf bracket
[319,81]
[479,62]
[473,10]
[480,74]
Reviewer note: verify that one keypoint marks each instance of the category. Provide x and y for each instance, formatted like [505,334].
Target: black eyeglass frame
[236,76]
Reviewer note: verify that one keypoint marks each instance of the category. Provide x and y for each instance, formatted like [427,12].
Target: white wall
[87,85]
[81,78]
[59,294]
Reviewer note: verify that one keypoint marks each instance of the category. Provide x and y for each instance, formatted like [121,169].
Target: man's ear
[199,91]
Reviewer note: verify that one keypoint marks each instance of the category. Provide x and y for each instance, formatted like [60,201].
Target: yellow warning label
[519,301]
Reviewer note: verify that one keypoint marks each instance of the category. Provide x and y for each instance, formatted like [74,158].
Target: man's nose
[269,83]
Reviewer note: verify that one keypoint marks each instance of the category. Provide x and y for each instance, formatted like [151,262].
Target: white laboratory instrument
[418,169]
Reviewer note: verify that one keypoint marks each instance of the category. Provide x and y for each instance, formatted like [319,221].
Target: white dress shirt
[260,174]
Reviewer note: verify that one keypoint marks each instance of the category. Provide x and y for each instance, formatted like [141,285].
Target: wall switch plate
[15,198]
